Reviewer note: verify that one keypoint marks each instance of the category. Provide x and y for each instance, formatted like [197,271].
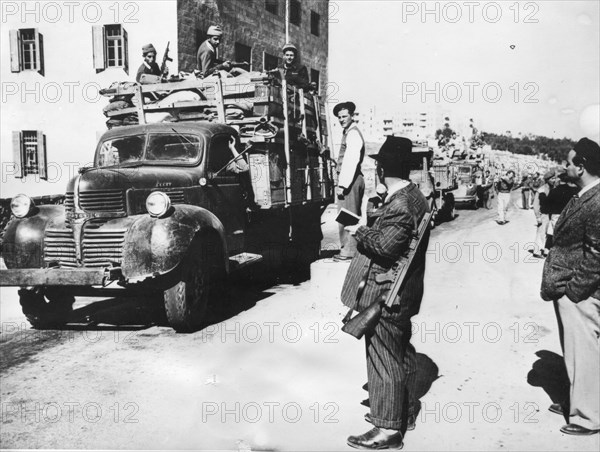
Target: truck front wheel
[46,310]
[186,301]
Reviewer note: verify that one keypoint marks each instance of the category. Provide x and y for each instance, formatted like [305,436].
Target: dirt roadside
[282,376]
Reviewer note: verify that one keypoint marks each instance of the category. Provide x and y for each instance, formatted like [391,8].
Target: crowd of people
[566,203]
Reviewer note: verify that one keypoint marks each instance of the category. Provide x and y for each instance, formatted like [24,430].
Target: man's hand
[226,65]
[352,229]
[341,193]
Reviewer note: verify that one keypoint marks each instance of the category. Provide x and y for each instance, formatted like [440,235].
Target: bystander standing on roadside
[351,183]
[536,183]
[504,186]
[571,279]
[525,191]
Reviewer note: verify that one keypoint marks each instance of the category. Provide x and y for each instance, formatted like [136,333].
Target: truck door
[227,197]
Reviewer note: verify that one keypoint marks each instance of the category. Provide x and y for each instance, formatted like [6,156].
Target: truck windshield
[121,150]
[181,147]
[165,147]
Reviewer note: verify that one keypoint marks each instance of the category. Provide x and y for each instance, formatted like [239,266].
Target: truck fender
[23,239]
[155,246]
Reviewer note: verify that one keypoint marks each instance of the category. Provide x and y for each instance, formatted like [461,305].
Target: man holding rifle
[391,359]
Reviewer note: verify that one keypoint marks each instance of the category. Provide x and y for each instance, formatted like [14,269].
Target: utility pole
[287,20]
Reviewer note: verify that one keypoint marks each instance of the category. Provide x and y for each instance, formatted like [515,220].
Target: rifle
[365,321]
[164,70]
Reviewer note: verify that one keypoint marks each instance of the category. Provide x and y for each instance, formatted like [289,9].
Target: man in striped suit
[391,359]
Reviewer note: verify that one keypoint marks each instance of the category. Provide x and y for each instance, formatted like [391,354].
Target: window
[315,23]
[218,158]
[111,47]
[295,12]
[121,150]
[243,53]
[314,77]
[270,62]
[26,50]
[29,148]
[272,6]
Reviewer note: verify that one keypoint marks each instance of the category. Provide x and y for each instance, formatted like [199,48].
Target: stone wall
[248,22]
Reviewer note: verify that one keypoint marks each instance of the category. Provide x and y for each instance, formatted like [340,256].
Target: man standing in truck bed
[351,184]
[207,53]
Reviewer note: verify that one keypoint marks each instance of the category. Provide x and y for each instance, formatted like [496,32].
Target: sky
[529,67]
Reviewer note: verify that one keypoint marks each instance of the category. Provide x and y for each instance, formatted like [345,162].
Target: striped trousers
[391,372]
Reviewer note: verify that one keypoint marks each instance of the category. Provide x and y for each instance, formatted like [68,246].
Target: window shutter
[41,155]
[18,154]
[15,50]
[126,51]
[98,46]
[39,45]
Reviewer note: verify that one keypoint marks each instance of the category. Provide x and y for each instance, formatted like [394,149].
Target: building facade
[255,31]
[56,56]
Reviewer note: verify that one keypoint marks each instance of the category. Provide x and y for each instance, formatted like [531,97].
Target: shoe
[375,439]
[574,429]
[539,256]
[556,408]
[411,422]
[340,258]
[366,403]
[365,386]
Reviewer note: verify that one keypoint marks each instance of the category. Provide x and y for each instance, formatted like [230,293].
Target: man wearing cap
[504,186]
[149,66]
[351,184]
[391,359]
[207,53]
[571,279]
[291,69]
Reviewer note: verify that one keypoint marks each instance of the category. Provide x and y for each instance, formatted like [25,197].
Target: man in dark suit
[571,279]
[391,359]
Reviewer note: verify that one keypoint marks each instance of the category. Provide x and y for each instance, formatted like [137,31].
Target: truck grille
[97,201]
[59,246]
[102,246]
[102,200]
[176,196]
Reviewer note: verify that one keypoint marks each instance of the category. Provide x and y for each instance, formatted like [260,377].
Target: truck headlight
[157,204]
[21,205]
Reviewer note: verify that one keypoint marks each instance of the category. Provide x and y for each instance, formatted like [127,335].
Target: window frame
[101,38]
[18,50]
[22,139]
[267,55]
[315,22]
[295,7]
[272,6]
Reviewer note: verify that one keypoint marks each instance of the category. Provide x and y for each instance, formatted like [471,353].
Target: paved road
[278,374]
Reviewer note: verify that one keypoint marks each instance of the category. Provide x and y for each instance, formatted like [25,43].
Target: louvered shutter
[41,155]
[39,45]
[98,47]
[17,138]
[125,51]
[15,50]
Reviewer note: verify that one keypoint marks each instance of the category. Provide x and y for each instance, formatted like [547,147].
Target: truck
[165,208]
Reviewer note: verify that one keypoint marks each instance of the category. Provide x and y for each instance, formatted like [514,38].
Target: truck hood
[136,177]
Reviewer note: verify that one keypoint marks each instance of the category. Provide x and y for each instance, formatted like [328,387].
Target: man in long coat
[391,359]
[571,279]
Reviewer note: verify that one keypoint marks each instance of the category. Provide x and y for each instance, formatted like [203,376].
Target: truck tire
[187,300]
[50,310]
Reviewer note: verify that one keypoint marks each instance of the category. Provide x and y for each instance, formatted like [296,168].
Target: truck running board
[243,260]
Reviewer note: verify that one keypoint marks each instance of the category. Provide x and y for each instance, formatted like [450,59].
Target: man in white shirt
[351,184]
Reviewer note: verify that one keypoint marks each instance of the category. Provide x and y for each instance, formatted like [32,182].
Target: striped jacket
[384,243]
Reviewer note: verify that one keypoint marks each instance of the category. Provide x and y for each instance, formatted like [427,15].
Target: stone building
[255,31]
